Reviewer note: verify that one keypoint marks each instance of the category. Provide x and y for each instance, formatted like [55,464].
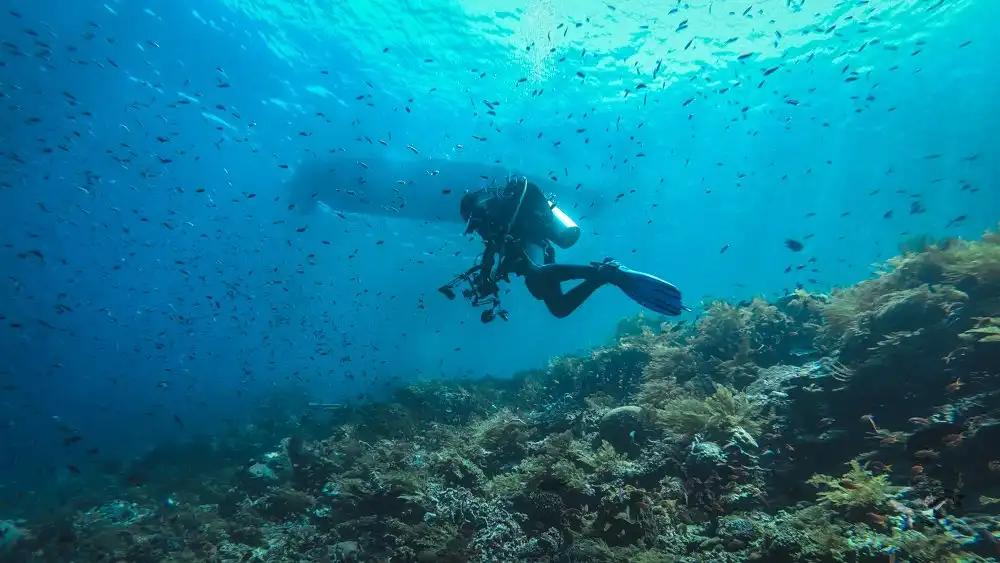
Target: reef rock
[621,427]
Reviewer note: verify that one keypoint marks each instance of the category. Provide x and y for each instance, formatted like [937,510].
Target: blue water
[147,301]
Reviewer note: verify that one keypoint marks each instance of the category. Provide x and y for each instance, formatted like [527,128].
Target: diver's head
[473,209]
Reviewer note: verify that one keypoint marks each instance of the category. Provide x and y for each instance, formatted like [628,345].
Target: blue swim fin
[645,289]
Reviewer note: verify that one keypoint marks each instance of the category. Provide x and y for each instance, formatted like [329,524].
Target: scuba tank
[557,227]
[561,230]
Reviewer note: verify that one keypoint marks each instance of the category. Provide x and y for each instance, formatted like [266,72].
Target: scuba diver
[519,225]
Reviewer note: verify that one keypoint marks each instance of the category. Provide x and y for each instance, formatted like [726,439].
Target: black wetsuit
[513,228]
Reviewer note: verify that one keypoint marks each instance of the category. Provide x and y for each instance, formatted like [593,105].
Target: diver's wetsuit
[545,282]
[512,221]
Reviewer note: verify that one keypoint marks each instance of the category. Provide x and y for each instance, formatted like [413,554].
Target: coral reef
[858,426]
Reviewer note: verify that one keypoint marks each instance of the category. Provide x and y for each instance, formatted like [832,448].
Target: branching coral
[823,535]
[937,276]
[932,545]
[668,360]
[609,369]
[986,330]
[497,533]
[871,311]
[445,401]
[803,303]
[657,392]
[858,488]
[604,461]
[500,438]
[722,330]
[506,485]
[457,471]
[727,413]
[638,325]
[534,388]
[735,335]
[977,260]
[552,462]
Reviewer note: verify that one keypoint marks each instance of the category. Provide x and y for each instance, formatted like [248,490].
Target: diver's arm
[489,259]
[484,275]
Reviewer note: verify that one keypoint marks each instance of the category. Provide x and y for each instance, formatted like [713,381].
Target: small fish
[794,245]
[957,221]
[724,249]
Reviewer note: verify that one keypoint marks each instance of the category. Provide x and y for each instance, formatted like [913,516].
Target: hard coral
[737,529]
[623,426]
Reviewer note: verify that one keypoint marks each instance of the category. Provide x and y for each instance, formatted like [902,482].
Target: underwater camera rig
[481,290]
[480,282]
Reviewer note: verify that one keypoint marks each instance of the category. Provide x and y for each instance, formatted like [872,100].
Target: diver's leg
[544,283]
[568,272]
[564,304]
